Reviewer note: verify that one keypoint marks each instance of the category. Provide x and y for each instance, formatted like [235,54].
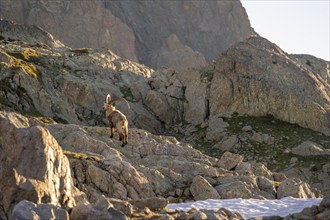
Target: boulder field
[74,171]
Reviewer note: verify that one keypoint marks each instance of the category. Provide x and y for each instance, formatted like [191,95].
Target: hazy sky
[296,26]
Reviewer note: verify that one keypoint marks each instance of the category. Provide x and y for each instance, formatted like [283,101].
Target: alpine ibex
[117,120]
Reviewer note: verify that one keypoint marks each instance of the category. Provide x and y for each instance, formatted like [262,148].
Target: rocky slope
[57,93]
[194,31]
[149,166]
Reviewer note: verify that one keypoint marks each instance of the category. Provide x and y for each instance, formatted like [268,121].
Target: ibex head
[108,105]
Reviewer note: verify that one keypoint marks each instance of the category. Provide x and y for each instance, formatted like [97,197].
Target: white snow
[251,207]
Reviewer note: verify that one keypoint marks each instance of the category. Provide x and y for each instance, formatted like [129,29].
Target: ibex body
[117,120]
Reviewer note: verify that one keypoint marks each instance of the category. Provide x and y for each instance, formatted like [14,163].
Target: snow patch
[251,207]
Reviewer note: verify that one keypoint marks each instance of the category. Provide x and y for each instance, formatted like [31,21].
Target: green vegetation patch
[277,184]
[20,61]
[30,69]
[127,93]
[81,51]
[202,144]
[60,120]
[286,136]
[42,119]
[275,155]
[27,54]
[80,156]
[207,74]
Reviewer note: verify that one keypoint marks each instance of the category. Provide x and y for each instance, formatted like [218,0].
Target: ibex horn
[108,99]
[120,99]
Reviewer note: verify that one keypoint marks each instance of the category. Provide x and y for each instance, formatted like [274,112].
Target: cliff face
[208,27]
[256,77]
[139,30]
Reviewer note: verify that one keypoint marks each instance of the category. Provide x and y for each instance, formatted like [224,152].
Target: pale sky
[296,26]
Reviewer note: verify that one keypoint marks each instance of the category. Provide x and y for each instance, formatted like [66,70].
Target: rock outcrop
[140,30]
[69,85]
[33,166]
[315,64]
[256,77]
[32,34]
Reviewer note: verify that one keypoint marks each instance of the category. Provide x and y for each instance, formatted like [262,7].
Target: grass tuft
[80,156]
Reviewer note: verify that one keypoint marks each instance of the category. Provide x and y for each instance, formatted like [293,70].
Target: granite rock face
[140,30]
[257,78]
[33,166]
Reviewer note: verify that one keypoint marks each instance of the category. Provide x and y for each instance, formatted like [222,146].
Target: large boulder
[229,160]
[309,148]
[254,168]
[227,142]
[29,210]
[295,188]
[102,209]
[193,85]
[266,185]
[255,77]
[245,186]
[32,164]
[157,102]
[216,130]
[236,189]
[201,189]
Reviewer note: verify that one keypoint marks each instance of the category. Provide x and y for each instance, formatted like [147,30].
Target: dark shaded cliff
[139,30]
